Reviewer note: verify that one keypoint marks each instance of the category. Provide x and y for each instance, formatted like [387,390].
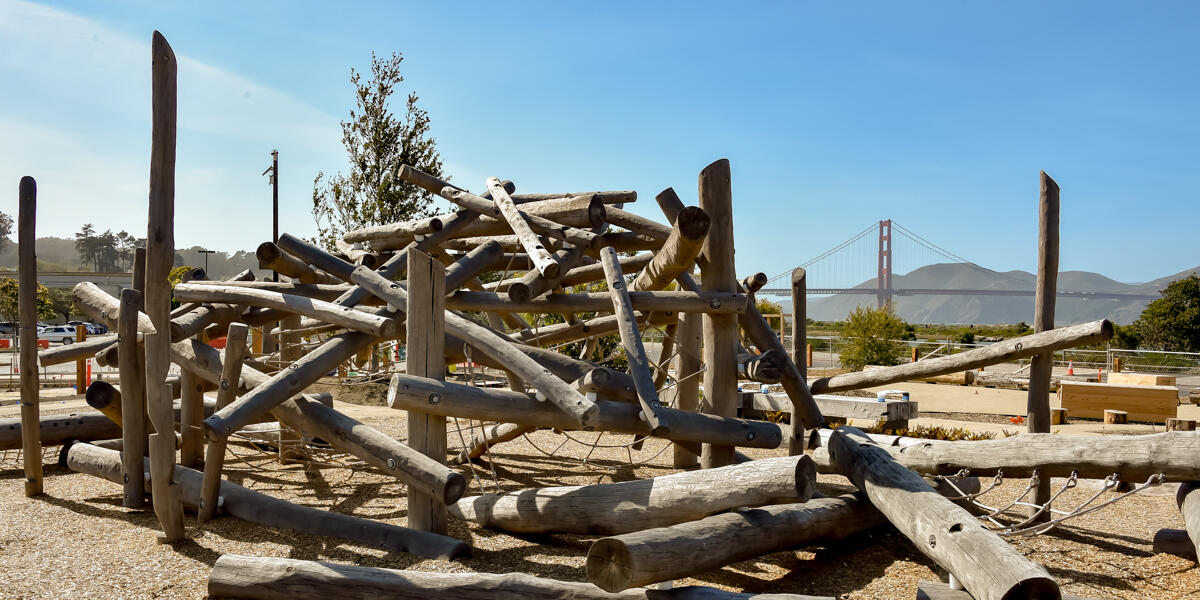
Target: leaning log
[248,505]
[350,318]
[678,253]
[1008,350]
[407,392]
[264,578]
[702,302]
[72,352]
[988,567]
[615,508]
[631,343]
[560,333]
[1188,498]
[271,256]
[486,437]
[666,553]
[1133,457]
[101,306]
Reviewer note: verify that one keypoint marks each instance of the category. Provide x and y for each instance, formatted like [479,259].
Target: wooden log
[426,357]
[102,396]
[133,401]
[609,197]
[454,400]
[800,321]
[489,343]
[702,302]
[615,508]
[160,254]
[488,436]
[227,387]
[500,222]
[583,274]
[261,578]
[638,224]
[196,321]
[1115,417]
[1181,424]
[59,429]
[678,252]
[270,256]
[631,343]
[753,283]
[191,417]
[470,265]
[31,442]
[1005,351]
[248,505]
[542,259]
[64,354]
[235,351]
[689,548]
[560,333]
[688,336]
[720,331]
[1042,364]
[767,367]
[101,306]
[375,325]
[988,567]
[1174,541]
[936,590]
[1133,457]
[1188,500]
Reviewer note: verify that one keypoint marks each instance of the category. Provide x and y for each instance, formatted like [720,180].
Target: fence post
[81,364]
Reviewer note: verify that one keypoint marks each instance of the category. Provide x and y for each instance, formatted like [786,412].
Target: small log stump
[1058,416]
[1115,417]
[1181,424]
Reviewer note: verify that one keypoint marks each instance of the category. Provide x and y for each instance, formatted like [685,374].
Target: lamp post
[274,181]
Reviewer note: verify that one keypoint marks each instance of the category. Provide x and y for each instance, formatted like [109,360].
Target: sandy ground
[77,541]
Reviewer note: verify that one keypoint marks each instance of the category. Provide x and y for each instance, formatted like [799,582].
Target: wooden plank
[1142,402]
[426,357]
[1124,378]
[843,407]
[31,444]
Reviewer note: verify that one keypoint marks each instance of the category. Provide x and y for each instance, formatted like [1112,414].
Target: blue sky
[834,115]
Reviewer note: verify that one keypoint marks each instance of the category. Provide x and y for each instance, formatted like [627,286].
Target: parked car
[8,328]
[58,333]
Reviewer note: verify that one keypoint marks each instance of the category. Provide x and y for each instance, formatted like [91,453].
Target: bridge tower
[883,293]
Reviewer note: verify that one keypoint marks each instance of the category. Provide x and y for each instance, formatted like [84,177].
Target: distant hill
[995,309]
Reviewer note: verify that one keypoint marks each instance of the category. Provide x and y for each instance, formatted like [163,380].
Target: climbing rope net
[1040,518]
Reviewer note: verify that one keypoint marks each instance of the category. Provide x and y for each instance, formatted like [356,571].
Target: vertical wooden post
[191,419]
[808,355]
[133,400]
[688,336]
[426,322]
[290,351]
[256,344]
[915,356]
[139,275]
[160,255]
[1116,364]
[81,381]
[797,441]
[720,330]
[227,388]
[1043,320]
[31,430]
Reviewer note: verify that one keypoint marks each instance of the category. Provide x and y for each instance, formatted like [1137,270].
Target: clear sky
[834,115]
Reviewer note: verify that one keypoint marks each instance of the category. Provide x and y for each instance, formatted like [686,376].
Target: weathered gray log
[533,222]
[1133,457]
[470,265]
[248,505]
[71,352]
[542,259]
[1188,499]
[57,429]
[645,301]
[678,253]
[101,306]
[720,331]
[583,274]
[426,357]
[666,553]
[271,256]
[193,322]
[637,224]
[31,441]
[410,228]
[454,400]
[262,578]
[1042,364]
[489,343]
[767,367]
[160,254]
[800,320]
[631,343]
[486,437]
[615,508]
[688,336]
[375,325]
[608,197]
[752,283]
[227,388]
[988,567]
[568,332]
[936,590]
[1005,351]
[624,241]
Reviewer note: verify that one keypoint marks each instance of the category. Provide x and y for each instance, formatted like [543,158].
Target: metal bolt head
[435,398]
[750,436]
[932,541]
[714,303]
[391,463]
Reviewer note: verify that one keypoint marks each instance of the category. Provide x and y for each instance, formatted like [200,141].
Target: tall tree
[6,227]
[86,246]
[377,144]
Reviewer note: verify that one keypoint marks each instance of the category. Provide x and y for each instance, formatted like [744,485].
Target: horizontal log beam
[704,302]
[350,318]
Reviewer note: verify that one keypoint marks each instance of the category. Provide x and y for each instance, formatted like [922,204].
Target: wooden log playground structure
[557,256]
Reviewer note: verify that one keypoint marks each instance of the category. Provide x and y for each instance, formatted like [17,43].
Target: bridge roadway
[945,292]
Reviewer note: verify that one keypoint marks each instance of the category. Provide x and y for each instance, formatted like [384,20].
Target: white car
[58,333]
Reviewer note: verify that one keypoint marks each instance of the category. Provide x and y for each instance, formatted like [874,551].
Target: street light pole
[274,181]
[206,253]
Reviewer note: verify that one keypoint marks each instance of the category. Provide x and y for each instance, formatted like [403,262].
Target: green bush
[870,333]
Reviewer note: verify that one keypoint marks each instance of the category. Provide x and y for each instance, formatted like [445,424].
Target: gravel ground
[77,541]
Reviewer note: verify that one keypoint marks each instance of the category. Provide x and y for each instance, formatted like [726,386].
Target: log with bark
[686,549]
[631,342]
[350,318]
[615,508]
[248,505]
[270,256]
[644,301]
[264,578]
[988,567]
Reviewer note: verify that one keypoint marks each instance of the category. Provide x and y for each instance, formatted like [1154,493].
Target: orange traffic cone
[1070,367]
[1100,374]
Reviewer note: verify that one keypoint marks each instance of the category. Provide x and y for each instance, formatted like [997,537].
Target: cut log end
[806,478]
[1034,588]
[519,292]
[609,565]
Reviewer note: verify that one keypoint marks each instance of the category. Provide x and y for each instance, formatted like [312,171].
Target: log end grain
[456,485]
[519,292]
[806,478]
[608,565]
[693,222]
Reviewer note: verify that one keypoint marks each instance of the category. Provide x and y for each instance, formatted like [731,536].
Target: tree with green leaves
[9,301]
[377,143]
[6,227]
[1170,323]
[871,337]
